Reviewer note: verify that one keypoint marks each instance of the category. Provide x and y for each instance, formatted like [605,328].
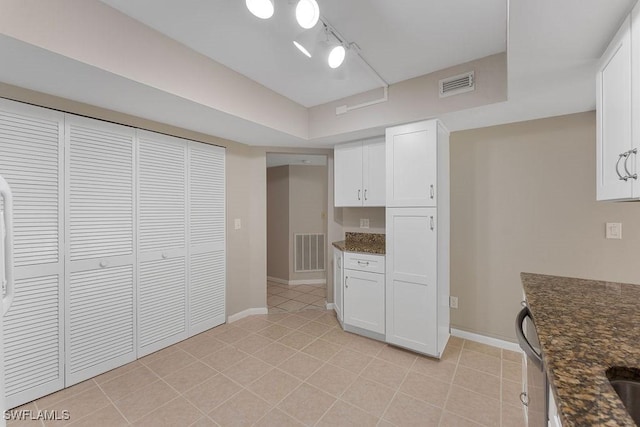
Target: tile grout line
[455,371]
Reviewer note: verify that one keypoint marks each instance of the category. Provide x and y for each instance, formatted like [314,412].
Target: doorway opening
[296,232]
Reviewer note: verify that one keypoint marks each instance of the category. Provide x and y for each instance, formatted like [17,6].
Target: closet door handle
[7,225]
[432,191]
[432,224]
[359,194]
[620,156]
[629,153]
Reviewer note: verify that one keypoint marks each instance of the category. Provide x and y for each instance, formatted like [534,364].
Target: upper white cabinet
[412,164]
[359,173]
[618,105]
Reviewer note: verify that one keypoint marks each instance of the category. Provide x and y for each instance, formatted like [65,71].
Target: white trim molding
[297,282]
[246,313]
[329,305]
[495,342]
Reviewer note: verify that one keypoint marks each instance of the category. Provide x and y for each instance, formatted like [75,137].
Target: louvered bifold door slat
[100,269]
[162,250]
[207,273]
[31,161]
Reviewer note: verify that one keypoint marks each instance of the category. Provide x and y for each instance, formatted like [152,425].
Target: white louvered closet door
[207,274]
[31,161]
[100,268]
[162,249]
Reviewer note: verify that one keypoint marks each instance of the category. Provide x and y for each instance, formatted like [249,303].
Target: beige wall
[523,199]
[412,100]
[278,222]
[307,209]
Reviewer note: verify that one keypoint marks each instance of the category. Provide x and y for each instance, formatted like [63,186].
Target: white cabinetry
[618,105]
[417,240]
[31,160]
[364,297]
[100,269]
[337,282]
[359,177]
[412,164]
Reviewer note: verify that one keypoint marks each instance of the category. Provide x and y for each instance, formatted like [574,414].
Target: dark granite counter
[585,327]
[367,243]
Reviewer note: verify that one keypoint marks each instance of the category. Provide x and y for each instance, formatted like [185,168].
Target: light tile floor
[285,299]
[297,369]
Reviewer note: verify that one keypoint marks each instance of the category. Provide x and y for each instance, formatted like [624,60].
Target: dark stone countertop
[585,327]
[366,243]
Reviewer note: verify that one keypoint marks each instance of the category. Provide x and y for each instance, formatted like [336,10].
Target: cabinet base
[364,332]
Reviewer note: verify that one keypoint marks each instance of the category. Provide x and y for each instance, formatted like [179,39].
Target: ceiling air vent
[457,84]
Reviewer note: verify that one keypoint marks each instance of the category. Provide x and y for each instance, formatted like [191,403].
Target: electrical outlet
[238,224]
[613,230]
[364,222]
[453,302]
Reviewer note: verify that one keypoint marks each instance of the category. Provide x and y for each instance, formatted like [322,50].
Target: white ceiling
[399,39]
[553,48]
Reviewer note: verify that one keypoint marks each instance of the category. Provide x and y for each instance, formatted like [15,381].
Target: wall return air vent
[457,84]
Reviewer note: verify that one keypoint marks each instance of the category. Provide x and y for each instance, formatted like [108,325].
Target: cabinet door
[100,268]
[207,272]
[162,225]
[348,175]
[364,300]
[31,155]
[411,290]
[374,173]
[337,283]
[411,163]
[614,118]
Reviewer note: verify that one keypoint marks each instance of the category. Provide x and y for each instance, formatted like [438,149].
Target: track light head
[262,9]
[307,13]
[336,56]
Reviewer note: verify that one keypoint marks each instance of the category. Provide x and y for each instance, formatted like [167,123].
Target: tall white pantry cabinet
[417,237]
[119,245]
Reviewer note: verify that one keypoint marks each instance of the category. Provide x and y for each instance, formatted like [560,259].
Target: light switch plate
[237,224]
[613,230]
[453,302]
[364,222]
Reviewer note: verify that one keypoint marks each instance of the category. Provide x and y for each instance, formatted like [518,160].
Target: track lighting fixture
[336,56]
[263,9]
[307,13]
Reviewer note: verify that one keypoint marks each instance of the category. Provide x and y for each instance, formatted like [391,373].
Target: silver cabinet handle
[620,156]
[359,194]
[365,194]
[524,398]
[432,191]
[346,285]
[629,153]
[432,223]
[363,262]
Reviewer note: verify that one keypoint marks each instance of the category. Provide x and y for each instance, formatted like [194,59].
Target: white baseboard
[486,340]
[329,305]
[297,282]
[245,313]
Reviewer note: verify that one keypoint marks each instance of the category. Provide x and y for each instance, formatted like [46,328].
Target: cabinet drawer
[364,262]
